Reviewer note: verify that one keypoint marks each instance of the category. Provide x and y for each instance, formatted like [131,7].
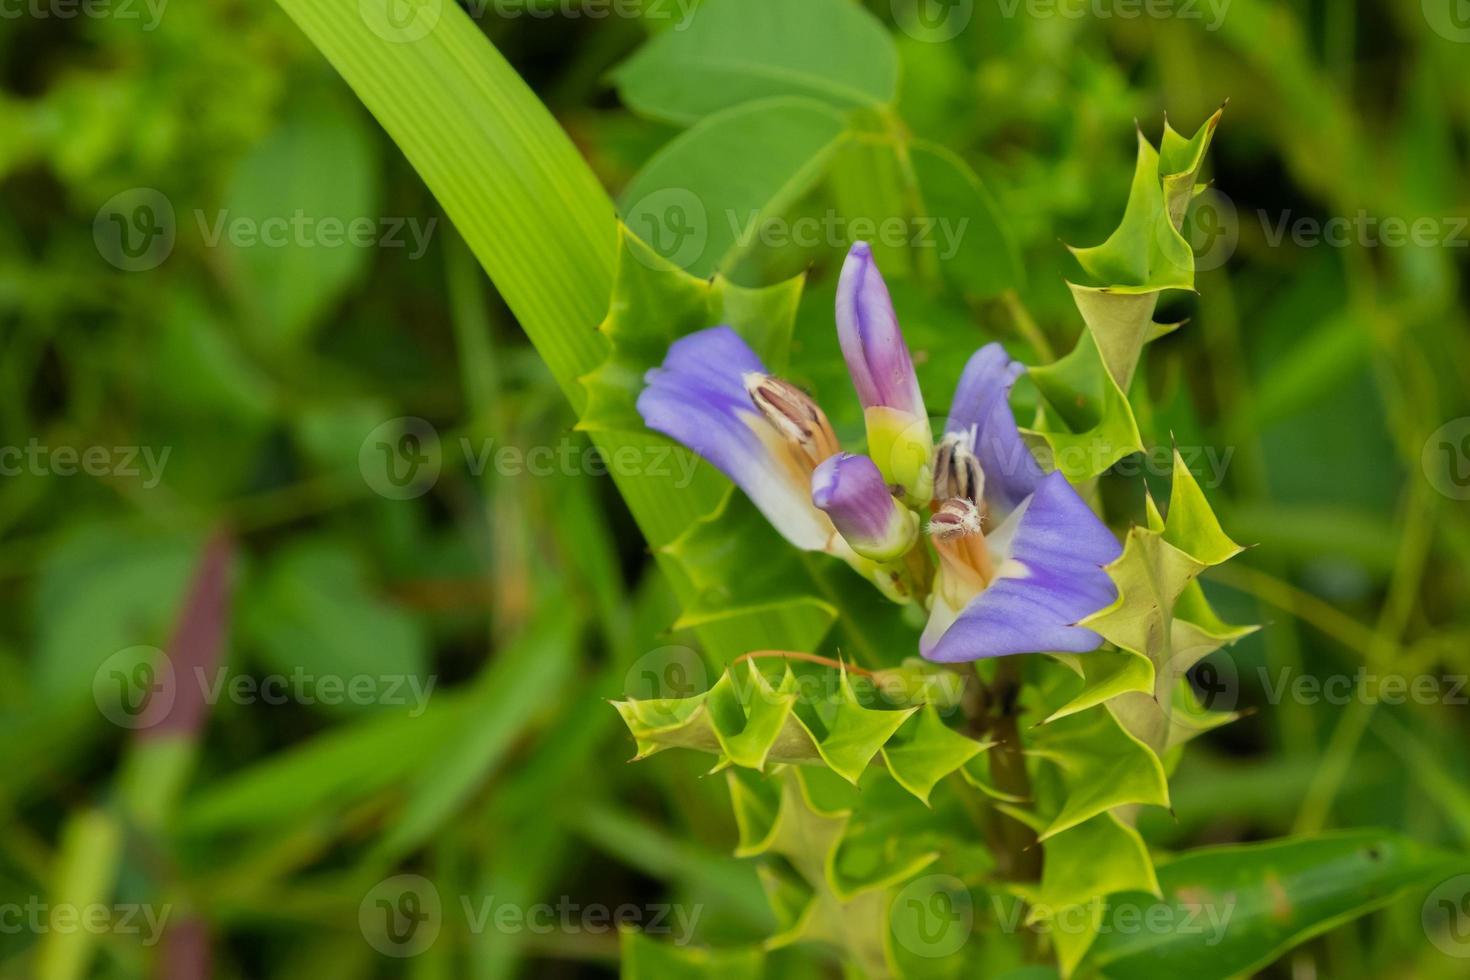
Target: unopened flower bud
[899,437]
[852,492]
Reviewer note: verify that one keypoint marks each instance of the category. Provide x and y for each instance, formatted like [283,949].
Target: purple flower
[899,439]
[853,493]
[1021,555]
[713,395]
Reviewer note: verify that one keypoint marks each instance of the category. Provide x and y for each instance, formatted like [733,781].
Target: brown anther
[795,415]
[955,518]
[957,472]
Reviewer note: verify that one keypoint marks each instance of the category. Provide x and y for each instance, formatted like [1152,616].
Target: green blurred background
[259,379]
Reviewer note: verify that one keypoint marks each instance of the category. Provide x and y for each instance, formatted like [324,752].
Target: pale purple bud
[872,344]
[852,492]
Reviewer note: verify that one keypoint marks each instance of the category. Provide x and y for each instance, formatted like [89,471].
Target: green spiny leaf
[1146,254]
[1085,420]
[1100,857]
[1161,612]
[1100,765]
[928,751]
[643,957]
[748,721]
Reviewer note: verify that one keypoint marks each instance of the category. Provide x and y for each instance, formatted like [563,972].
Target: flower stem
[808,657]
[1019,858]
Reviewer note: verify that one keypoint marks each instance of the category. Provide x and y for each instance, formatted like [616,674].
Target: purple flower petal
[982,410]
[872,344]
[698,398]
[1051,557]
[852,492]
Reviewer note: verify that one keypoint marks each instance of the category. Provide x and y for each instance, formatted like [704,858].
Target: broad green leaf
[960,224]
[1085,423]
[102,591]
[1235,909]
[704,199]
[298,257]
[644,958]
[315,612]
[729,52]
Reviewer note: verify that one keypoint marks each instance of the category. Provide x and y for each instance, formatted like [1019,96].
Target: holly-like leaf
[1085,423]
[748,721]
[644,957]
[1101,766]
[1100,857]
[1146,254]
[1105,674]
[926,750]
[655,302]
[736,564]
[1161,612]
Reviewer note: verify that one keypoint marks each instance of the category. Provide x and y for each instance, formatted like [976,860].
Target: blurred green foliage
[1322,375]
